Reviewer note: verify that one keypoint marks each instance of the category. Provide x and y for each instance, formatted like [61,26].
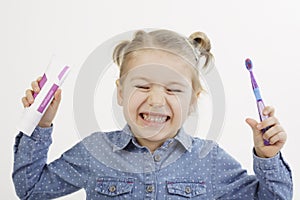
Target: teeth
[151,118]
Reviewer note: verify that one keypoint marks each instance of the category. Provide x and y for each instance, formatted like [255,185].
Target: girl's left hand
[275,134]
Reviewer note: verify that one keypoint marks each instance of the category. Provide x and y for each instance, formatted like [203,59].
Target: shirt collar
[184,139]
[122,139]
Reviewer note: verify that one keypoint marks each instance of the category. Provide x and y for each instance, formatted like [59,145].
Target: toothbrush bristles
[248,64]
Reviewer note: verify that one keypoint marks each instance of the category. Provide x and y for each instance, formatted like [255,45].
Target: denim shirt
[112,165]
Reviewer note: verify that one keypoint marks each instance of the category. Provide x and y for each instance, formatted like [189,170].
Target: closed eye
[142,87]
[174,90]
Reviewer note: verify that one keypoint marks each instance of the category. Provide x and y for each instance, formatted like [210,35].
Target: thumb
[57,99]
[252,123]
[257,136]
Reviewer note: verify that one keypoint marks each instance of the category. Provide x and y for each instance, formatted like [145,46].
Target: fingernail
[265,137]
[258,126]
[265,113]
[31,99]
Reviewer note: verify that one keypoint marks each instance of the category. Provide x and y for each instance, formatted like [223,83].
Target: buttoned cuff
[40,133]
[266,163]
[39,139]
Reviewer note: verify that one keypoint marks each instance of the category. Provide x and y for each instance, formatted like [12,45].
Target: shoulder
[102,136]
[209,147]
[210,150]
[203,143]
[99,142]
[204,147]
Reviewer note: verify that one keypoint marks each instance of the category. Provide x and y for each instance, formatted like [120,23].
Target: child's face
[156,93]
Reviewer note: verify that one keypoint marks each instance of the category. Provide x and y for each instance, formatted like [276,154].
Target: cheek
[134,99]
[182,104]
[185,106]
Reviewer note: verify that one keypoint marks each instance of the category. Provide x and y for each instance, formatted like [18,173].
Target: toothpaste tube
[52,79]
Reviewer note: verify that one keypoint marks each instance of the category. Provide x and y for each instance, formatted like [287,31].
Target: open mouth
[154,117]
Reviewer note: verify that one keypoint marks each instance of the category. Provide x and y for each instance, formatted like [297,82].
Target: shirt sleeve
[34,179]
[272,179]
[274,176]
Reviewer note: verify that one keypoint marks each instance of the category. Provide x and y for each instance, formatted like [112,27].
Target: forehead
[158,65]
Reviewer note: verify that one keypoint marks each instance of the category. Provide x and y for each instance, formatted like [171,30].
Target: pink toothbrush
[259,101]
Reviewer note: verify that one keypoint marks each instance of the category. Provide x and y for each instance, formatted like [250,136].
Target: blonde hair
[191,49]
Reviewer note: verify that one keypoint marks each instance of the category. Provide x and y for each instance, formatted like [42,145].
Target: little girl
[152,157]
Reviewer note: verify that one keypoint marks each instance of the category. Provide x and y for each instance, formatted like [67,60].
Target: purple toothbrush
[259,101]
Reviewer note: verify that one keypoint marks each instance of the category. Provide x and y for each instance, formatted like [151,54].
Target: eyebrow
[147,80]
[139,78]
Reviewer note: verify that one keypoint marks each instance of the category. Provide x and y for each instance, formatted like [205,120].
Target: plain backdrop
[266,31]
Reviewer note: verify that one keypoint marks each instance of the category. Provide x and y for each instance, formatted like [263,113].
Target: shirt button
[188,190]
[150,188]
[157,158]
[112,188]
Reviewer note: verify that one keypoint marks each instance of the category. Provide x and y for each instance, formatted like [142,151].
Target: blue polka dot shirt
[112,165]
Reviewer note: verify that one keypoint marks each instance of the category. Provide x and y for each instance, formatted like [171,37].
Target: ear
[194,99]
[119,92]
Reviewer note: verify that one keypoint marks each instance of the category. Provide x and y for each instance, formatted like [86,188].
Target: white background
[266,31]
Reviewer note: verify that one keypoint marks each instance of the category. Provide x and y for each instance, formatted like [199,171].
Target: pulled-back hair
[191,49]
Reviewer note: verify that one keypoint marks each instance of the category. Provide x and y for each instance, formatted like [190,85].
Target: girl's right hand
[50,113]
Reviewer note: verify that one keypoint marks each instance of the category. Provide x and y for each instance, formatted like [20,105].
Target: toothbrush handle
[261,106]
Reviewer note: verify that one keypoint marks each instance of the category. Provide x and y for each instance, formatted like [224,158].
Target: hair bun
[118,54]
[202,44]
[139,33]
[200,41]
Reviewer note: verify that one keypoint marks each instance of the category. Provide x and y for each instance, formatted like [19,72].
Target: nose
[156,97]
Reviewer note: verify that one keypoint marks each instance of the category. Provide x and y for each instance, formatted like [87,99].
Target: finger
[57,95]
[269,111]
[39,79]
[271,121]
[279,137]
[272,131]
[25,102]
[29,96]
[57,98]
[257,135]
[252,123]
[35,86]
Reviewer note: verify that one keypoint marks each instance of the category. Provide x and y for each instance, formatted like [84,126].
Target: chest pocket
[186,188]
[115,187]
